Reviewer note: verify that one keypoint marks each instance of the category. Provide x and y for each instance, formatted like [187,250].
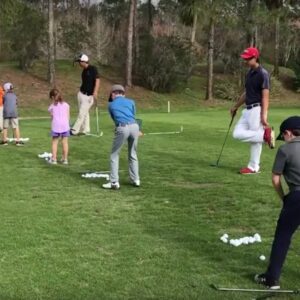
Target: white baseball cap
[82,58]
[7,86]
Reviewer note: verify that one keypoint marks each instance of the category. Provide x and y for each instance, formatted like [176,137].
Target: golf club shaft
[258,290]
[232,118]
[97,120]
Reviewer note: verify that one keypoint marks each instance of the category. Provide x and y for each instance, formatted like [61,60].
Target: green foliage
[23,28]
[163,62]
[75,36]
[227,90]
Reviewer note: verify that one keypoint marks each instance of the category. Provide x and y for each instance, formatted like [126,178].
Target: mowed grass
[63,237]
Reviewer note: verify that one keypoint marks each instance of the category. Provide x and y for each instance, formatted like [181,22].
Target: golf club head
[215,165]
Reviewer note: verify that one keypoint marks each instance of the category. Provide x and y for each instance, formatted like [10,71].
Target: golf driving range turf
[63,237]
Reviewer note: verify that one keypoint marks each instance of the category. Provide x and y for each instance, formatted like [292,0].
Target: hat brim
[280,137]
[246,56]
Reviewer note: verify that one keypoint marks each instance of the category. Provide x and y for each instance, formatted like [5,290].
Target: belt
[86,93]
[252,105]
[125,124]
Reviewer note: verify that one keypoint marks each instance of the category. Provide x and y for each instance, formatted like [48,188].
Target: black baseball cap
[289,124]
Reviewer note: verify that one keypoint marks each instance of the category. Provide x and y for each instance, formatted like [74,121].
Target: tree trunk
[210,60]
[277,44]
[194,28]
[136,41]
[51,46]
[129,60]
[150,15]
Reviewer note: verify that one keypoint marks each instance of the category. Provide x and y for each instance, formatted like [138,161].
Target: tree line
[153,44]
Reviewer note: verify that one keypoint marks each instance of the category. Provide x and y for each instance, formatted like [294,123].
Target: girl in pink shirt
[60,126]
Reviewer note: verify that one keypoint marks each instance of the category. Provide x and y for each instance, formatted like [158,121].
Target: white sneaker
[136,183]
[52,162]
[64,161]
[111,186]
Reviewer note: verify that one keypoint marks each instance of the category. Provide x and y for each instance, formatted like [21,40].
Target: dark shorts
[61,134]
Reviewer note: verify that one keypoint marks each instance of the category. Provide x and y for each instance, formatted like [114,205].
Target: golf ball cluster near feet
[45,155]
[95,175]
[256,238]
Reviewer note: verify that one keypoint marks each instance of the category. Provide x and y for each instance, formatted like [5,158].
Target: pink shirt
[60,117]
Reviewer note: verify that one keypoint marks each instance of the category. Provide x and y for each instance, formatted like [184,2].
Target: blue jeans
[287,224]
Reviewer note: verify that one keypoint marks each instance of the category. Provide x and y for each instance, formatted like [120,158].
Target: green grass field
[63,237]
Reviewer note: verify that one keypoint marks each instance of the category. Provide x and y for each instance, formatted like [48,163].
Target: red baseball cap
[250,52]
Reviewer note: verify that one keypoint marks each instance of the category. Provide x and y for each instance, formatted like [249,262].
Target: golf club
[166,132]
[218,160]
[97,119]
[225,289]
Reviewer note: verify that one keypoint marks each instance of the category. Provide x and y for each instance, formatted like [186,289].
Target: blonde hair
[56,96]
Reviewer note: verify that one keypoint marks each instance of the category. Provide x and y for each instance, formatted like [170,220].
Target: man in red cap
[253,125]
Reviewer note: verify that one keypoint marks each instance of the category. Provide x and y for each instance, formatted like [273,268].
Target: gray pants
[128,133]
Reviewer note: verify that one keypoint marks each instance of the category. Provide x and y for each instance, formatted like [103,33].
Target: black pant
[287,224]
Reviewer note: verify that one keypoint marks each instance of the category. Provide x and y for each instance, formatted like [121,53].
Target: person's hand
[233,111]
[95,95]
[264,120]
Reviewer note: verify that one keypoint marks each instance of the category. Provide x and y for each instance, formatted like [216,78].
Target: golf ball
[262,257]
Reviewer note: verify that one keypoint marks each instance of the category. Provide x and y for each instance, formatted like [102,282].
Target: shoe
[248,171]
[20,143]
[4,143]
[269,137]
[267,282]
[111,186]
[136,183]
[64,161]
[72,133]
[52,161]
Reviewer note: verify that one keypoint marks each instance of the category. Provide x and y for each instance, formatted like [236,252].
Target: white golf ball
[262,257]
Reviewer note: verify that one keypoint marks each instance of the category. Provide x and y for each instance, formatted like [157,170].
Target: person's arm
[110,112]
[265,107]
[238,104]
[276,180]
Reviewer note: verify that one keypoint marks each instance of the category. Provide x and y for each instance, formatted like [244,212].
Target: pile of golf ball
[20,139]
[45,155]
[241,241]
[95,175]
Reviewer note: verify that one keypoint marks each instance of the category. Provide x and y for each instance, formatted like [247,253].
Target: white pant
[82,123]
[250,129]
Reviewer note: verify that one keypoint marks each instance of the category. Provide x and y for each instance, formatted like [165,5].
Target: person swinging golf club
[253,125]
[122,111]
[87,94]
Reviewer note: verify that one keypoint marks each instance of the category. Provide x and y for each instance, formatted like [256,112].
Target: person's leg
[121,135]
[288,222]
[85,105]
[65,146]
[6,123]
[1,118]
[255,126]
[247,129]
[86,122]
[54,148]
[132,153]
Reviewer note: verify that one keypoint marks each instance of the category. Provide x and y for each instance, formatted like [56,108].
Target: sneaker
[4,143]
[248,171]
[136,183]
[111,186]
[52,161]
[269,137]
[267,282]
[64,162]
[20,143]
